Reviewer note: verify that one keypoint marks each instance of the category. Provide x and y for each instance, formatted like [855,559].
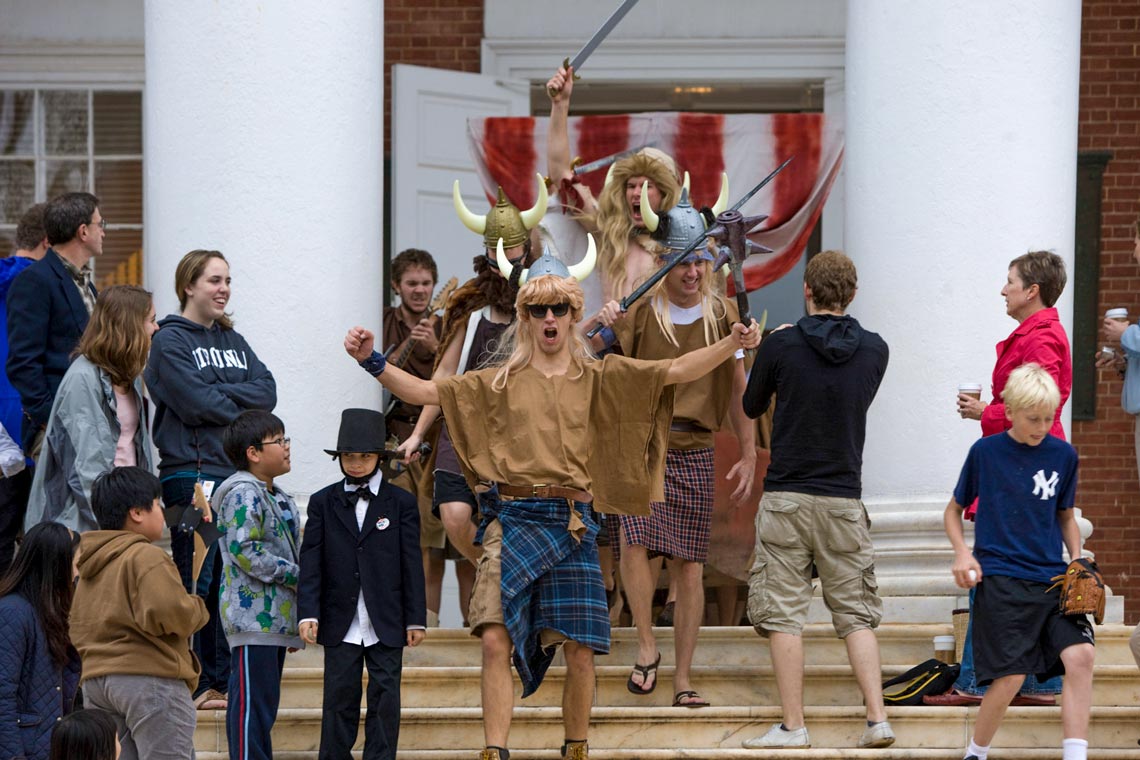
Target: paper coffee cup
[944,649]
[971,389]
[1120,315]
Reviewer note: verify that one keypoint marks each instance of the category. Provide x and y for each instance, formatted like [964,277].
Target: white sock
[1074,749]
[978,752]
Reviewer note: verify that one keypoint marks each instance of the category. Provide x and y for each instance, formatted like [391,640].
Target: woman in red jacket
[1034,284]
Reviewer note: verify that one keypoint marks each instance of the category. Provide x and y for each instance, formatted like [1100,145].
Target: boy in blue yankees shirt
[361,592]
[1025,481]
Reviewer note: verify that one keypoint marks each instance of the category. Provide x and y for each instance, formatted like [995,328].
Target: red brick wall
[1109,491]
[442,34]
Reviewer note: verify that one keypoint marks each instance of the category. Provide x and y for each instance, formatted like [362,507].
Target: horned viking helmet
[504,221]
[681,224]
[548,264]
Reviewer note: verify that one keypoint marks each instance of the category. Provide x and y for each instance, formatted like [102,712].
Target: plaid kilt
[680,526]
[549,580]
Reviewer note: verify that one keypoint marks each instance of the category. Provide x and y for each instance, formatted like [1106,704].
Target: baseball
[973,574]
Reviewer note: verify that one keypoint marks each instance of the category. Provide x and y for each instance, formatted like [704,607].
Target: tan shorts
[432,534]
[486,606]
[793,530]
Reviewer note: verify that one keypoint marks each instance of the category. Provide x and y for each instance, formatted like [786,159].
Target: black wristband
[374,364]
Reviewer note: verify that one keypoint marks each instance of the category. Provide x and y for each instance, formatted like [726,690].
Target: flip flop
[646,671]
[689,698]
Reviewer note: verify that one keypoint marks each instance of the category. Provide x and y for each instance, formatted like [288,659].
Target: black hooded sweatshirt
[201,378]
[825,372]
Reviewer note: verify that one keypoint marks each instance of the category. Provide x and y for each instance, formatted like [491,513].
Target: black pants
[14,492]
[210,642]
[340,716]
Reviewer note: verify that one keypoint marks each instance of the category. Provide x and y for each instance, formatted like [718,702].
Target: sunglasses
[538,310]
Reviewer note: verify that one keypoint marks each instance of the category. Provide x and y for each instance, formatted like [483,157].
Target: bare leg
[726,605]
[1076,695]
[578,691]
[638,580]
[994,704]
[863,652]
[497,690]
[456,518]
[689,612]
[433,577]
[787,651]
[465,574]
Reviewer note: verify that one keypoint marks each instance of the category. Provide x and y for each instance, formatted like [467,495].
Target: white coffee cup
[944,649]
[971,389]
[1120,315]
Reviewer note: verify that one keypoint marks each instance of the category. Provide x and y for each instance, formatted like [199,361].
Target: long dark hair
[42,574]
[84,735]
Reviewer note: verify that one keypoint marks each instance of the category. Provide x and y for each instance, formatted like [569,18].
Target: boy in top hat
[361,591]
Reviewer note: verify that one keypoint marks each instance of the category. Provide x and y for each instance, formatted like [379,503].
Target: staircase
[442,718]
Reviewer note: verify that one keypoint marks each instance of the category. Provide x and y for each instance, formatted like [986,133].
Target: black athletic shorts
[1019,630]
[451,487]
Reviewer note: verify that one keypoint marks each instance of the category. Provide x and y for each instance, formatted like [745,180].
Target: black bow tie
[364,492]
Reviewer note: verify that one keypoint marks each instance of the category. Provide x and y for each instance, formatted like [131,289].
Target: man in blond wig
[561,436]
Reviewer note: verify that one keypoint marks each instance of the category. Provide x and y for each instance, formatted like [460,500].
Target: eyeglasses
[538,310]
[102,223]
[283,442]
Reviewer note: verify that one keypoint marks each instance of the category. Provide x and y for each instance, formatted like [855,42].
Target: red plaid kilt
[680,526]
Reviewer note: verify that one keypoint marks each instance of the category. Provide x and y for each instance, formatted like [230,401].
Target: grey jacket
[260,551]
[79,446]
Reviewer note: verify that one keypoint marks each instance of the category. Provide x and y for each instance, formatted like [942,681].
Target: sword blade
[758,188]
[602,163]
[603,32]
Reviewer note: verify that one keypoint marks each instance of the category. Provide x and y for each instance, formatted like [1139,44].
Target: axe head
[189,520]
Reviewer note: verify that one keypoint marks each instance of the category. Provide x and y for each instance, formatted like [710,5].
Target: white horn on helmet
[473,222]
[648,215]
[686,186]
[583,268]
[534,214]
[722,199]
[502,260]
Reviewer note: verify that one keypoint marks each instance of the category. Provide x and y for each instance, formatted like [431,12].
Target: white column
[961,155]
[263,139]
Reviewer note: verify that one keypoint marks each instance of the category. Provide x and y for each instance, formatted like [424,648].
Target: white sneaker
[878,735]
[777,736]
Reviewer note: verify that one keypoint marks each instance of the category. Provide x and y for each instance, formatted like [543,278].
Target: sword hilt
[566,65]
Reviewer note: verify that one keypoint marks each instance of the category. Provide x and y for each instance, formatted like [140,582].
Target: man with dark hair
[48,308]
[31,244]
[825,370]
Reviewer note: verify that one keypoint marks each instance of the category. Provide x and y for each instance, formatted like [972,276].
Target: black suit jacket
[337,561]
[46,316]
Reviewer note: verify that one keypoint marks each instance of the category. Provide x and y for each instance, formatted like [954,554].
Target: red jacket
[1040,339]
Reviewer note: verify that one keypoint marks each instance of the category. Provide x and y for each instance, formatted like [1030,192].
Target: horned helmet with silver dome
[677,228]
[548,264]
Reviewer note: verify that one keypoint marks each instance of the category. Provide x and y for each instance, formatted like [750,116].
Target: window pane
[119,187]
[65,177]
[17,190]
[121,260]
[65,122]
[118,123]
[16,120]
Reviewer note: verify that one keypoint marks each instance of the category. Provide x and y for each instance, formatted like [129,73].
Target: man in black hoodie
[825,370]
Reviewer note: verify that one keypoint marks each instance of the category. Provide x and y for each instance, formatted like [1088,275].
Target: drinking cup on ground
[944,649]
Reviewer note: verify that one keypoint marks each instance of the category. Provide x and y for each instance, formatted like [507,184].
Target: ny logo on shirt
[1044,487]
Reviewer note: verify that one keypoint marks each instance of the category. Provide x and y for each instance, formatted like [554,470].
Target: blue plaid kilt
[549,580]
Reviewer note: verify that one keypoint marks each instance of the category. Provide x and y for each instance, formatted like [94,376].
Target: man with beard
[477,314]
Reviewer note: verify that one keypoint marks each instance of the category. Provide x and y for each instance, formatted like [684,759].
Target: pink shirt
[128,413]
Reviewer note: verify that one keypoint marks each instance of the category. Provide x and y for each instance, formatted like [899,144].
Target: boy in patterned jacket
[261,563]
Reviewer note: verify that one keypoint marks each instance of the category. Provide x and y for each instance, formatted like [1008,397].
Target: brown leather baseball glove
[1082,589]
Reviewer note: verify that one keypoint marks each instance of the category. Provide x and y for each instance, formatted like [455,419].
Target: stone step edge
[821,753]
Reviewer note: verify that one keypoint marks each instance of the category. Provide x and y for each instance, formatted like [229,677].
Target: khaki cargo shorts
[793,530]
[486,606]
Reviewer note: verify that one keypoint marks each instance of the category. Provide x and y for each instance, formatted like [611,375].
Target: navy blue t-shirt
[1019,490]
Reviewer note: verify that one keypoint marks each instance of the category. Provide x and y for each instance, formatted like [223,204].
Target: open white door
[430,108]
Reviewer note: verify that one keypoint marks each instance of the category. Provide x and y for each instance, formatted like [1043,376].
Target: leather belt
[543,491]
[686,426]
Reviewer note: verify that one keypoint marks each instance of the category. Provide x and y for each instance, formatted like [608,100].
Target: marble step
[824,685]
[900,645]
[458,730]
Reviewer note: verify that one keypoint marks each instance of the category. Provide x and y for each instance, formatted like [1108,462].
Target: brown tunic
[402,419]
[603,432]
[702,403]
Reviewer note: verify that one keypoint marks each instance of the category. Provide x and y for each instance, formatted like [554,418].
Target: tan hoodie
[131,614]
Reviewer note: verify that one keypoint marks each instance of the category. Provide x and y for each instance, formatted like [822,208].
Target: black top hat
[361,432]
